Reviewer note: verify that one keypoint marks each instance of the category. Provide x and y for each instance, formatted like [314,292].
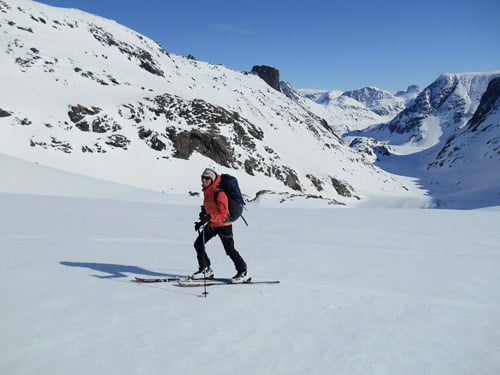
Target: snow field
[362,291]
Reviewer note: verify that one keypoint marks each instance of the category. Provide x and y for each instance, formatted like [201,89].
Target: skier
[214,220]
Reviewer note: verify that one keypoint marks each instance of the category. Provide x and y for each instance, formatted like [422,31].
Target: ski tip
[155,279]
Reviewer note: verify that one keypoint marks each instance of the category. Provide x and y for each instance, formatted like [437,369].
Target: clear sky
[321,44]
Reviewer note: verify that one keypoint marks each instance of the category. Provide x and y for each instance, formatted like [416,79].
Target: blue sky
[323,44]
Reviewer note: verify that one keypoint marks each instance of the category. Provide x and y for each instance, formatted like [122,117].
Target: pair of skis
[187,282]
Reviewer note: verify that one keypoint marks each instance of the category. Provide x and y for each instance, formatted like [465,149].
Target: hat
[209,173]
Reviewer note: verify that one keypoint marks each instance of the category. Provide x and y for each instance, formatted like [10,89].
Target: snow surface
[363,291]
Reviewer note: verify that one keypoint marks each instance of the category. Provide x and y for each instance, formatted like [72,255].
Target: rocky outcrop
[269,74]
[371,149]
[87,119]
[210,145]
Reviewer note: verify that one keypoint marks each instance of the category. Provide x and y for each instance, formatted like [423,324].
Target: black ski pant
[226,237]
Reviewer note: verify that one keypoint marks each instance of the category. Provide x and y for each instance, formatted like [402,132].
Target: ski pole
[205,268]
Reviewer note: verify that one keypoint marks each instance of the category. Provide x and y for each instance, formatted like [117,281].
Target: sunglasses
[206,178]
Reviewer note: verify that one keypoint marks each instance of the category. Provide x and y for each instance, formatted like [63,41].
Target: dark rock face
[480,130]
[289,178]
[316,182]
[152,139]
[78,112]
[342,187]
[489,100]
[269,74]
[98,124]
[213,146]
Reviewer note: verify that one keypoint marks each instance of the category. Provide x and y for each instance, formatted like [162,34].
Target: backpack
[229,185]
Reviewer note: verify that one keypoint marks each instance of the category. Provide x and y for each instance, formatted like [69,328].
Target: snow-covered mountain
[447,138]
[88,95]
[450,100]
[341,113]
[381,102]
[446,135]
[352,110]
[478,140]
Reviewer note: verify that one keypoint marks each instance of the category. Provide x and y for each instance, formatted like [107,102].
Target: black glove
[204,218]
[202,214]
[199,224]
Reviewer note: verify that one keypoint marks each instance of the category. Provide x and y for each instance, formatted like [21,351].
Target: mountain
[341,112]
[380,102]
[479,139]
[447,138]
[90,96]
[352,110]
[449,101]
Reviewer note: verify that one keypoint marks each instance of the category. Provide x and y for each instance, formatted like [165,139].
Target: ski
[188,282]
[220,281]
[156,280]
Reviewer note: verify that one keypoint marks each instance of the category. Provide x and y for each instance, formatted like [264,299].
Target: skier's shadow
[115,271]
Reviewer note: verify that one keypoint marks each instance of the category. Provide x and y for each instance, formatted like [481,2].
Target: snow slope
[92,97]
[23,177]
[363,291]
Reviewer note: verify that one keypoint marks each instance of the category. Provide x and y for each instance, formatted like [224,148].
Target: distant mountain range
[448,138]
[352,110]
[90,96]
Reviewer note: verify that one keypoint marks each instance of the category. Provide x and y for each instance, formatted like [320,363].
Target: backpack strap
[216,194]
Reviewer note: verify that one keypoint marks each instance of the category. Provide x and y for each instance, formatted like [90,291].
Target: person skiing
[214,219]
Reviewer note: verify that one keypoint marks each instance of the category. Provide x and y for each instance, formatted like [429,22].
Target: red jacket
[218,211]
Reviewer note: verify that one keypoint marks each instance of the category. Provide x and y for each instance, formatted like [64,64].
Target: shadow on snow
[117,270]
